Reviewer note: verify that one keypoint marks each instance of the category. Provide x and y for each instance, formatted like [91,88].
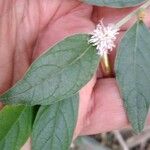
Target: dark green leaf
[15,126]
[114,3]
[57,74]
[132,72]
[54,125]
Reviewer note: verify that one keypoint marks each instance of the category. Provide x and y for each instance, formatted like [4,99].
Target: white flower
[103,37]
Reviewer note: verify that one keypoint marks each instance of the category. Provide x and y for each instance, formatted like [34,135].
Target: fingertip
[27,145]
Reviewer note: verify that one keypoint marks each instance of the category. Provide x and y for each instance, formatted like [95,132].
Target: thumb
[77,20]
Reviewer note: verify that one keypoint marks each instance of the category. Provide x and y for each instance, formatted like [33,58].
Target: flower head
[103,38]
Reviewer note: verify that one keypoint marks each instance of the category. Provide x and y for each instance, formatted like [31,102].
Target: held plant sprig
[55,78]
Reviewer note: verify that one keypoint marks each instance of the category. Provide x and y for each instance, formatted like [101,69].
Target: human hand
[106,111]
[27,28]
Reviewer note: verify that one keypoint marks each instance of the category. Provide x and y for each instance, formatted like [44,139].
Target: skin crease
[28,27]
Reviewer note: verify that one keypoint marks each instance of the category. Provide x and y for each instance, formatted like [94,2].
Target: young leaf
[132,73]
[54,125]
[15,126]
[59,73]
[114,3]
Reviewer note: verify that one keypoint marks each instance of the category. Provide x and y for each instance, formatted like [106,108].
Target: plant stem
[128,17]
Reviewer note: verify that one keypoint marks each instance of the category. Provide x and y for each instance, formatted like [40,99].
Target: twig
[139,139]
[121,140]
[128,17]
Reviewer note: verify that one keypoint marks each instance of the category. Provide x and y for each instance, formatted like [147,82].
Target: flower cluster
[103,37]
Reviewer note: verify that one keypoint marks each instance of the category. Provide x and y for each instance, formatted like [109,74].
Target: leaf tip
[138,127]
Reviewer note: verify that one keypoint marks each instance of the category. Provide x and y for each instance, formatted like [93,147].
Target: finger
[107,112]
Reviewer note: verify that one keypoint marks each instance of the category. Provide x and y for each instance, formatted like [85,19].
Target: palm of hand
[28,28]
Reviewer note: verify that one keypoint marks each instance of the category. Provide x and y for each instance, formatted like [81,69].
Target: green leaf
[114,3]
[54,125]
[59,73]
[132,73]
[15,126]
